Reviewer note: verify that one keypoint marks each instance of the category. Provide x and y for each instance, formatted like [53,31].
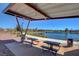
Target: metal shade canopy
[42,11]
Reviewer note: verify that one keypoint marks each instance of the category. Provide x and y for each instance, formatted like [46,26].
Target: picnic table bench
[50,47]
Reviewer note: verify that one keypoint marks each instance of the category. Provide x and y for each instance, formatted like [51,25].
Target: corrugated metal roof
[38,11]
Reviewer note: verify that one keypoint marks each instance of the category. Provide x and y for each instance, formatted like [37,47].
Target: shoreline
[63,42]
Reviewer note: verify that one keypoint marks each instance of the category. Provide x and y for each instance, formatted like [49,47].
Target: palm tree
[66,33]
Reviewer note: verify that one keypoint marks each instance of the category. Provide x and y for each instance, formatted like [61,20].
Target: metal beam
[38,10]
[17,14]
[76,16]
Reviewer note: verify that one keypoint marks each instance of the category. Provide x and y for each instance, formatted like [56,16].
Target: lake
[62,35]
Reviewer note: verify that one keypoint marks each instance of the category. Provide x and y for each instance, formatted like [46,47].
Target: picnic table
[33,39]
[51,44]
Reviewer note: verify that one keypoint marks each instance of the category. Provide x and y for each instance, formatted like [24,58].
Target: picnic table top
[52,43]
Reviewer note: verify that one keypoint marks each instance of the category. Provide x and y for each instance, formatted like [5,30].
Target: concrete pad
[25,50]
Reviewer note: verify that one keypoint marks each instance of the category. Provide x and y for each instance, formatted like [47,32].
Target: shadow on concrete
[7,41]
[29,50]
[4,51]
[72,53]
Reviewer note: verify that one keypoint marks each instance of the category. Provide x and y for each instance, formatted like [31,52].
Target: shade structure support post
[18,24]
[27,27]
[24,35]
[19,28]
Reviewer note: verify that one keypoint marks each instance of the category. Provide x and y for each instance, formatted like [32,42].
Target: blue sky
[8,21]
